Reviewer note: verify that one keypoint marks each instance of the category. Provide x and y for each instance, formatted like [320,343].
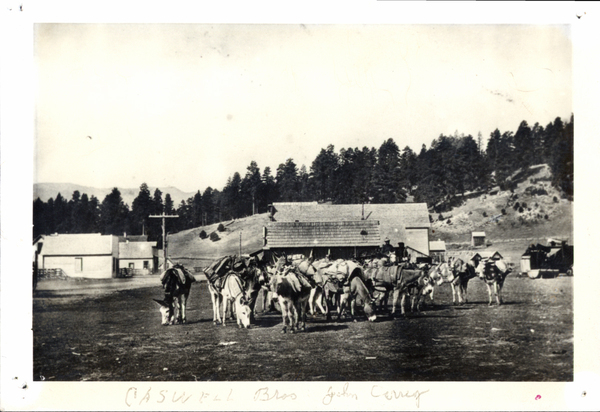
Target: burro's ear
[161,302]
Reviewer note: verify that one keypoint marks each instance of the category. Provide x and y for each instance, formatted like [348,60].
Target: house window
[146,264]
[78,264]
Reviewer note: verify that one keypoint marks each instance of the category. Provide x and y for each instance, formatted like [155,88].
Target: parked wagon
[548,261]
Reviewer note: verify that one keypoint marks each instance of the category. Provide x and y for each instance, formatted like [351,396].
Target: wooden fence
[128,273]
[51,274]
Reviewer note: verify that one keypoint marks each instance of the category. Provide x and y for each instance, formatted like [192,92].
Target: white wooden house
[79,255]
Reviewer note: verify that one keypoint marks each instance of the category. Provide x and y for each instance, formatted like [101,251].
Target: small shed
[477,238]
[437,250]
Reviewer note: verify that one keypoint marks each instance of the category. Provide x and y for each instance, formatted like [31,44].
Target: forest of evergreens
[438,175]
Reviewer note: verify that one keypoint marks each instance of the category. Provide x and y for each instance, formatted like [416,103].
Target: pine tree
[407,174]
[231,195]
[562,159]
[62,216]
[523,143]
[323,173]
[197,211]
[250,188]
[286,181]
[268,190]
[208,207]
[114,214]
[303,185]
[169,205]
[386,180]
[141,208]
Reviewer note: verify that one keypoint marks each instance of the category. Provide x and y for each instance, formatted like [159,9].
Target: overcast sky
[189,105]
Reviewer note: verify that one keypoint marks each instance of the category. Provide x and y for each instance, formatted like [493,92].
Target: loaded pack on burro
[177,283]
[235,280]
[336,284]
[401,279]
[292,289]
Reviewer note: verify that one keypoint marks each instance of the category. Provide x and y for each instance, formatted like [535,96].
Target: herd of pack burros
[301,285]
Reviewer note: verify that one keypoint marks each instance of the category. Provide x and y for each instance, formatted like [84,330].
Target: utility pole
[164,234]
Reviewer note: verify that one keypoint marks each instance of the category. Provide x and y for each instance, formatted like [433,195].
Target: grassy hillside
[544,215]
[509,233]
[189,249]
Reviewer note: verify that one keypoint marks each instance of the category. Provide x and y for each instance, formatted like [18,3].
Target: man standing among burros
[387,249]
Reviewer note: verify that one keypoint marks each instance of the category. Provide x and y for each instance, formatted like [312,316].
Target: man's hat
[387,239]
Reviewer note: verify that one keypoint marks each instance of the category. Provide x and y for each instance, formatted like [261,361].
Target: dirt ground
[111,331]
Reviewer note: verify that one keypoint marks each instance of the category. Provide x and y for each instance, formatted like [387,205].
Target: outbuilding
[437,250]
[477,238]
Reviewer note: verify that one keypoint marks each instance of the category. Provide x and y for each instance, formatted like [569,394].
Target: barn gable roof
[398,221]
[77,244]
[323,234]
[409,215]
[477,234]
[136,250]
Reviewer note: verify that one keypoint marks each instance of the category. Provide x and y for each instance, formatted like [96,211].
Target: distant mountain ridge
[46,191]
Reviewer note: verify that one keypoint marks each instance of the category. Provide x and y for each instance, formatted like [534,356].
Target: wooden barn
[350,228]
[477,238]
[137,258]
[79,255]
[340,240]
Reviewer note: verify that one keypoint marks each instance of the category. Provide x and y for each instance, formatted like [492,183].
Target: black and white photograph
[301,214]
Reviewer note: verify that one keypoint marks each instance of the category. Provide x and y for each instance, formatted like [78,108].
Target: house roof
[407,214]
[478,234]
[77,244]
[136,250]
[437,246]
[323,234]
[486,254]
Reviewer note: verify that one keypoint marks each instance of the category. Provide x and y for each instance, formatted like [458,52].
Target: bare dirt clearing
[104,333]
